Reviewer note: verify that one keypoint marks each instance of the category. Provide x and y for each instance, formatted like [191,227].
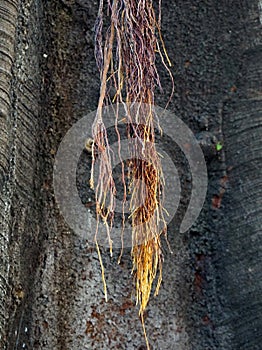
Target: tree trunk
[51,292]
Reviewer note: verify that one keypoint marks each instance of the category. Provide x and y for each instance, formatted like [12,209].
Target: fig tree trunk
[51,291]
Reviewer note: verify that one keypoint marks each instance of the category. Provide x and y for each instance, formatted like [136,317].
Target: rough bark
[51,293]
[8,13]
[20,180]
[241,224]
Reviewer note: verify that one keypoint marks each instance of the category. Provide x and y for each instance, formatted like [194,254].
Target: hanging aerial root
[126,57]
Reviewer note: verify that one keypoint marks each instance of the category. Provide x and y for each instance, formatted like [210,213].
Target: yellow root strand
[102,270]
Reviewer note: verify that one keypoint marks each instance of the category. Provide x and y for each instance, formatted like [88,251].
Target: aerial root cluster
[126,57]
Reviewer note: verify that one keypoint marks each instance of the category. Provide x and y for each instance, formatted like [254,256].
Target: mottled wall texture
[51,293]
